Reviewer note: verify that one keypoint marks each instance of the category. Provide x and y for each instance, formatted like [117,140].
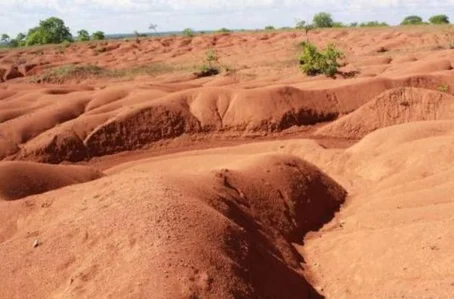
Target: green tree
[412,20]
[188,32]
[5,38]
[439,19]
[354,24]
[20,39]
[83,35]
[98,35]
[49,31]
[269,28]
[323,20]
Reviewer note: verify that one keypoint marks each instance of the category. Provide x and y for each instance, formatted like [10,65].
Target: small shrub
[314,62]
[443,88]
[210,66]
[206,71]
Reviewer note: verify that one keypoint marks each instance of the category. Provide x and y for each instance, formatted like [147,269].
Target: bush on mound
[314,62]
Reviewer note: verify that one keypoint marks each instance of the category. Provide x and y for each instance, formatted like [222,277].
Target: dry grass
[71,72]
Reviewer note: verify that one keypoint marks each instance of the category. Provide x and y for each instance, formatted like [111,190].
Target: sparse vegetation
[223,30]
[443,88]
[300,24]
[19,41]
[338,25]
[304,26]
[188,32]
[314,62]
[210,67]
[61,74]
[373,24]
[270,28]
[66,73]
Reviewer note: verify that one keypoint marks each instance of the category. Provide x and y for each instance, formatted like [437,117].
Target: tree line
[50,31]
[54,31]
[325,20]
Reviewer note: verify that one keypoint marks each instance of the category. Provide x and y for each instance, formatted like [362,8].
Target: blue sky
[125,16]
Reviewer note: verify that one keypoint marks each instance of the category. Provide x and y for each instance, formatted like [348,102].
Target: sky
[126,16]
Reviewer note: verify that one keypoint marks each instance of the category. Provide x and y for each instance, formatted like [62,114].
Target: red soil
[205,191]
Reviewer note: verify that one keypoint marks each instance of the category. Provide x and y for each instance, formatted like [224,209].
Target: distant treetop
[439,19]
[49,31]
[98,35]
[323,20]
[412,20]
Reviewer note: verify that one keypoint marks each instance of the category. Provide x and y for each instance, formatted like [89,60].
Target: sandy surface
[259,182]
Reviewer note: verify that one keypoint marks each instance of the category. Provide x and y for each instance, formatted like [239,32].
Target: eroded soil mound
[225,233]
[394,236]
[22,179]
[397,106]
[74,123]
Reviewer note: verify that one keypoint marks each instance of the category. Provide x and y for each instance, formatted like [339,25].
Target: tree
[412,20]
[300,24]
[83,35]
[188,32]
[269,28]
[98,35]
[49,31]
[5,38]
[323,20]
[354,24]
[20,39]
[439,19]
